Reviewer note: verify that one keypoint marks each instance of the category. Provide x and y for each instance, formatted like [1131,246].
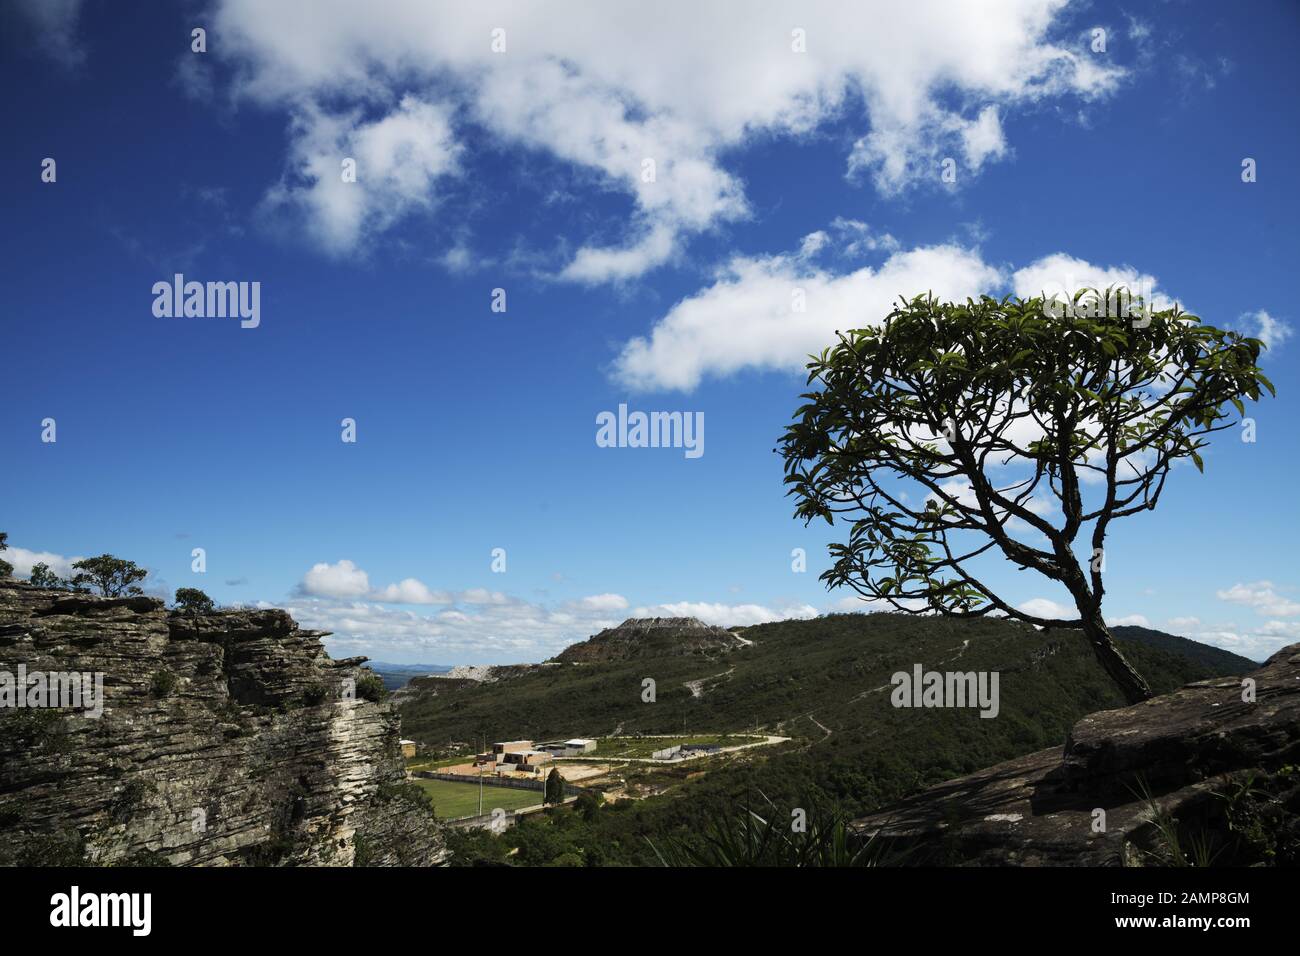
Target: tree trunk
[1110,657]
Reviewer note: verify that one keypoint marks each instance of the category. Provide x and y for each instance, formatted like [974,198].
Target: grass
[426,763]
[454,800]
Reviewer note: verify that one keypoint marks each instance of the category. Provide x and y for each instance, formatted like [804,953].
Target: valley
[817,690]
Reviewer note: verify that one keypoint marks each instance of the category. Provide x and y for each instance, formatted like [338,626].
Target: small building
[581,745]
[408,748]
[701,749]
[525,761]
[510,747]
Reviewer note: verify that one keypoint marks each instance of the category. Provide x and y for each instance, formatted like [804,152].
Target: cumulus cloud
[343,580]
[398,158]
[1262,596]
[479,625]
[750,316]
[770,312]
[340,580]
[500,630]
[410,591]
[921,81]
[24,560]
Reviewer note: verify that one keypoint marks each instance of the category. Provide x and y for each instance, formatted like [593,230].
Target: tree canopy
[115,577]
[193,601]
[1012,427]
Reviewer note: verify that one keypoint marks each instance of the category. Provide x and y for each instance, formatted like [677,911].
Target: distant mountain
[397,675]
[1216,659]
[651,637]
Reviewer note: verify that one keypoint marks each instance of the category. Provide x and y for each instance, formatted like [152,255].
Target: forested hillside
[826,684]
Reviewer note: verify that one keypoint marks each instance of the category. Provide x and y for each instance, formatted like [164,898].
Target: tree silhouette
[554,787]
[1016,427]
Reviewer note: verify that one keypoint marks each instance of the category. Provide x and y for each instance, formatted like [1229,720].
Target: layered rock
[1199,775]
[225,739]
[651,637]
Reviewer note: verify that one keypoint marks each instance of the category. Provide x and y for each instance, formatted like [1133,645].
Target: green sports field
[452,800]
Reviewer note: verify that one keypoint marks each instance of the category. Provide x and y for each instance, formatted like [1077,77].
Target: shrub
[370,686]
[163,683]
[193,601]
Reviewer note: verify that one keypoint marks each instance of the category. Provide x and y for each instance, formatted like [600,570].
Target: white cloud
[1262,596]
[398,158]
[410,591]
[1272,332]
[747,317]
[983,139]
[24,560]
[1045,608]
[604,602]
[345,581]
[1062,274]
[341,580]
[577,82]
[1255,643]
[858,239]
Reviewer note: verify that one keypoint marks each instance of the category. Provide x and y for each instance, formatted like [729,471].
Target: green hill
[793,676]
[1216,659]
[825,683]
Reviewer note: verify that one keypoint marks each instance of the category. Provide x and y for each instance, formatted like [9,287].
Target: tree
[6,568]
[43,577]
[192,601]
[554,792]
[1023,424]
[114,577]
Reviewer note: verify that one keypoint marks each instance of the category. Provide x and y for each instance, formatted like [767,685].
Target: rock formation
[1199,775]
[650,637]
[229,738]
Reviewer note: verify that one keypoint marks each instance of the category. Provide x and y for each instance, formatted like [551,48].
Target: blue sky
[523,169]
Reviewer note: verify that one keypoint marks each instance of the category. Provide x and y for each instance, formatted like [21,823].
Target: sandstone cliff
[1199,776]
[225,739]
